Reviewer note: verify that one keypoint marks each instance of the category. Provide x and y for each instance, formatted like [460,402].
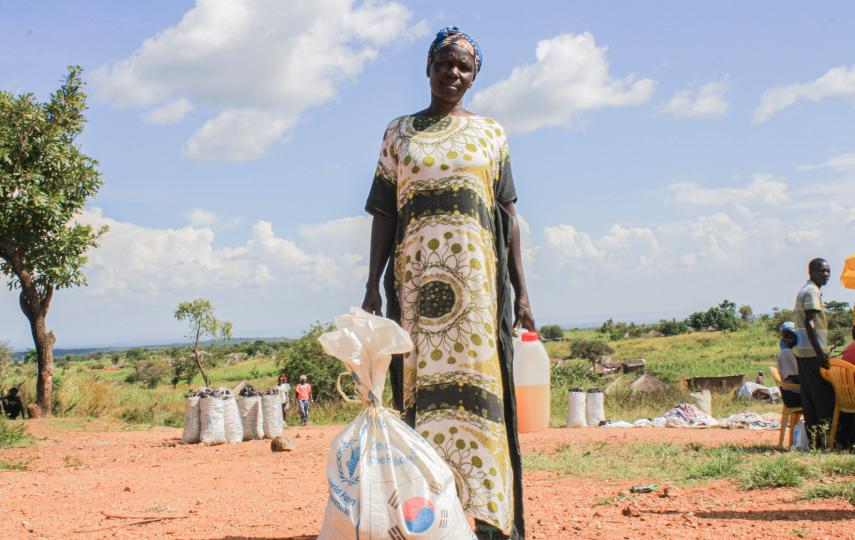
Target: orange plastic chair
[791,414]
[841,375]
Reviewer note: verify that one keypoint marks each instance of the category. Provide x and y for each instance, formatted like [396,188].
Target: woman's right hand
[373,302]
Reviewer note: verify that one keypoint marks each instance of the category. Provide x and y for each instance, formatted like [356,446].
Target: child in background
[787,366]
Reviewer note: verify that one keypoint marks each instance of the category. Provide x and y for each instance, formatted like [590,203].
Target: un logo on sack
[347,460]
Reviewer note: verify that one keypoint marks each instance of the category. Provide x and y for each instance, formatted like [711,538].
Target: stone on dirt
[281,444]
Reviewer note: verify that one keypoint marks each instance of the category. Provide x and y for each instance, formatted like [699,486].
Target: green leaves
[45,182]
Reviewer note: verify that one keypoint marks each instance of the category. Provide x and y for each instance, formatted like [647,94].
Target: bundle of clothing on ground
[686,415]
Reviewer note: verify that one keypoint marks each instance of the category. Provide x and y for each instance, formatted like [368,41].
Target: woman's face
[451,73]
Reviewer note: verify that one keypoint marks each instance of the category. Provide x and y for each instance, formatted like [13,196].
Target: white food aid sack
[191,421]
[385,481]
[576,408]
[271,412]
[250,417]
[213,429]
[595,411]
[231,420]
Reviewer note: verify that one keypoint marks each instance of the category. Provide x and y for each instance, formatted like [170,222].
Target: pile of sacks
[585,408]
[215,416]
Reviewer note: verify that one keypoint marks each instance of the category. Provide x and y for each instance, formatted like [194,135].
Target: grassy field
[85,389]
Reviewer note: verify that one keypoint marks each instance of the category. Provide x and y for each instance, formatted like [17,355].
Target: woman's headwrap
[451,35]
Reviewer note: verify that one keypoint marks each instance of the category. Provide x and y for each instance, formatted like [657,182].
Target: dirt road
[83,471]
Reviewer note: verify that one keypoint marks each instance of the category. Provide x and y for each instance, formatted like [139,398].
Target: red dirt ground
[83,470]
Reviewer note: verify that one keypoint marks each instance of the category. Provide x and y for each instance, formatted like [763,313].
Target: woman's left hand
[523,317]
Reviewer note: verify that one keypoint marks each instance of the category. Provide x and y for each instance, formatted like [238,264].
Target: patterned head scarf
[451,35]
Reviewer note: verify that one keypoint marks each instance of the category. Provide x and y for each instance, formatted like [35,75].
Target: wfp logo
[347,460]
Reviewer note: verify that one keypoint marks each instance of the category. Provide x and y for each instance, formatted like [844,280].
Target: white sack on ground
[385,481]
[576,409]
[251,417]
[213,430]
[191,421]
[231,420]
[595,411]
[271,412]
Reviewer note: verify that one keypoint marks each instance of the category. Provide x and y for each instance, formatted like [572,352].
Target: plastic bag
[594,408]
[576,408]
[213,429]
[800,438]
[385,481]
[191,420]
[231,420]
[271,412]
[251,417]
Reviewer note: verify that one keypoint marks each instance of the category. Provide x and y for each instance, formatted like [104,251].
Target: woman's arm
[382,240]
[523,317]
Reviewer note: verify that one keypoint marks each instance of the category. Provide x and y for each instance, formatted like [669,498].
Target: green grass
[843,490]
[752,466]
[780,471]
[14,465]
[13,434]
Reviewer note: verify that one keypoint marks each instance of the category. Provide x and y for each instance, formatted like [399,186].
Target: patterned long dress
[445,179]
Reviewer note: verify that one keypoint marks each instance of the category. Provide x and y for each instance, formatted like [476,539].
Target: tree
[745,312]
[551,331]
[199,315]
[590,350]
[45,181]
[149,372]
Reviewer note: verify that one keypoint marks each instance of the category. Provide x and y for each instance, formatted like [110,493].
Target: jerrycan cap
[529,336]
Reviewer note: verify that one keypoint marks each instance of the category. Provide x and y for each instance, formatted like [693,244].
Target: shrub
[672,327]
[551,331]
[590,350]
[150,372]
[721,317]
[304,356]
[570,374]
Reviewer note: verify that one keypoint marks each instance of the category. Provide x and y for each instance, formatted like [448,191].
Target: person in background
[811,351]
[759,379]
[304,397]
[284,393]
[12,404]
[787,366]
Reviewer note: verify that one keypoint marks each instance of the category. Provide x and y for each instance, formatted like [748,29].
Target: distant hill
[19,355]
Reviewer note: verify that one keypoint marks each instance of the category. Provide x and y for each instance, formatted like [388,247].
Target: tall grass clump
[844,490]
[13,434]
[717,462]
[781,471]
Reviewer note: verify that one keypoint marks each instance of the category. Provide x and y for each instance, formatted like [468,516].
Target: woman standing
[443,198]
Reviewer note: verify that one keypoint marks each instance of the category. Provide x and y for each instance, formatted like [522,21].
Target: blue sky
[666,155]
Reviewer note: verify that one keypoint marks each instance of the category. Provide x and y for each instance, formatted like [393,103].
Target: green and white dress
[445,179]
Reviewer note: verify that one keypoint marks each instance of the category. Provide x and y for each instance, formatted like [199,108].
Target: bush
[590,350]
[150,372]
[304,356]
[672,327]
[781,471]
[551,331]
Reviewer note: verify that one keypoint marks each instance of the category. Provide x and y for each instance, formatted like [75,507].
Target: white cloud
[632,246]
[710,101]
[836,82]
[201,218]
[571,76]
[258,64]
[349,235]
[135,261]
[170,112]
[839,162]
[762,188]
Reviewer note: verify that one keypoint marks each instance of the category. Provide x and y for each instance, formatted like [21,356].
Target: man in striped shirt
[811,352]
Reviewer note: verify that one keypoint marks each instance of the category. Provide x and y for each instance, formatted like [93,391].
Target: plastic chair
[841,375]
[791,414]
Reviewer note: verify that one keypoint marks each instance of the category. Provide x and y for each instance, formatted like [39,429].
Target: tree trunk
[198,361]
[44,340]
